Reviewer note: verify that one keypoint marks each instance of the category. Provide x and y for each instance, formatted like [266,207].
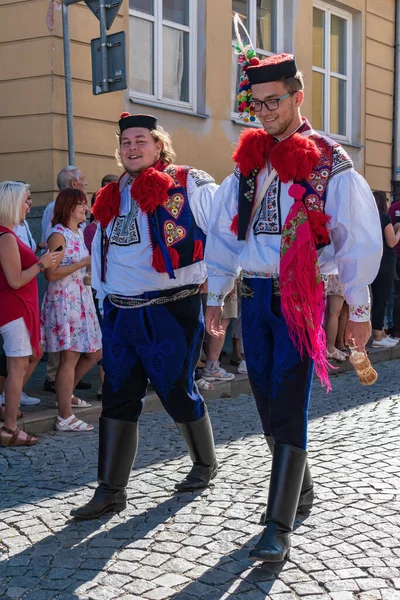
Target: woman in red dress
[19,301]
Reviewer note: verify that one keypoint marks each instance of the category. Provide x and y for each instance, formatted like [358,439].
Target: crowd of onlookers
[385,290]
[67,325]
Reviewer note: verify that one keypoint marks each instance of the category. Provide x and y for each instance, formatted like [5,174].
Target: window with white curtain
[263,20]
[331,83]
[163,51]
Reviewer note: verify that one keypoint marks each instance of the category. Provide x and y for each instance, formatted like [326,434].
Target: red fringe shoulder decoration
[150,189]
[106,206]
[253,148]
[294,158]
[318,222]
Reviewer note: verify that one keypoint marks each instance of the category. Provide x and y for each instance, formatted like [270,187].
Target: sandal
[20,414]
[337,355]
[79,404]
[72,424]
[202,384]
[15,439]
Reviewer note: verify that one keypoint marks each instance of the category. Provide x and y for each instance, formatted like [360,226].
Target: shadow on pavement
[81,553]
[61,464]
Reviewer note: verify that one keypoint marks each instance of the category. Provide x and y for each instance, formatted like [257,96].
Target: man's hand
[358,332]
[213,321]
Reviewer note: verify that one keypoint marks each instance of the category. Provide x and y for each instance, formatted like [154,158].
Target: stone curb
[43,421]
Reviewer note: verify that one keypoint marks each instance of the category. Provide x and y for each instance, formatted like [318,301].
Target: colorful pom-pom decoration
[246,58]
[125,114]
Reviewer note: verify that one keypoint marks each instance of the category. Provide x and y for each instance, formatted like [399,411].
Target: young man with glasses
[293,193]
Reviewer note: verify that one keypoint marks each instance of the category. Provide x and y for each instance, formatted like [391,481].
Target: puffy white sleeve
[96,265]
[222,246]
[201,195]
[357,239]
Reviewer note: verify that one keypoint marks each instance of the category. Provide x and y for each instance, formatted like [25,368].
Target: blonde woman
[19,315]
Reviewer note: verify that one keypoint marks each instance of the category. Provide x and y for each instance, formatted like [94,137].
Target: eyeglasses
[272,104]
[28,200]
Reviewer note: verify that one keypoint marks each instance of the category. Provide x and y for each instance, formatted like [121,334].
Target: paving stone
[15,592]
[369,583]
[195,545]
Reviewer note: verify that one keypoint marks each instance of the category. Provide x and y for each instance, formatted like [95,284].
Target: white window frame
[157,98]
[329,11]
[251,27]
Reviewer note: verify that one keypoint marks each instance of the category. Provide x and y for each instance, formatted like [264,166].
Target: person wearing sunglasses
[293,193]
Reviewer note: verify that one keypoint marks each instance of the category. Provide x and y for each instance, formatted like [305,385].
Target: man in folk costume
[293,193]
[147,267]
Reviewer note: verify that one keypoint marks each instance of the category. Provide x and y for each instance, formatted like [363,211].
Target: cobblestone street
[186,546]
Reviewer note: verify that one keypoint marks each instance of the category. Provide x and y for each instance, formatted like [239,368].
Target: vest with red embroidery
[332,160]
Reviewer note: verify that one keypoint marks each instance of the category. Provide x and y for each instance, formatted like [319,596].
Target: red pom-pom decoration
[296,191]
[125,114]
[254,61]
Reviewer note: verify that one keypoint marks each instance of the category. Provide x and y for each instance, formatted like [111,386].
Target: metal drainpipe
[396,120]
[68,83]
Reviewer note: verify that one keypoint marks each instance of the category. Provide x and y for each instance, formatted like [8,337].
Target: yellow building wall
[33,135]
[380,34]
[33,131]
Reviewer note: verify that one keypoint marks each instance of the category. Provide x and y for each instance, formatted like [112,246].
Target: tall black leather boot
[306,499]
[287,474]
[118,441]
[199,439]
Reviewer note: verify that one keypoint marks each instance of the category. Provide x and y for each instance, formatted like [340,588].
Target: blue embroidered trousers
[280,378]
[160,344]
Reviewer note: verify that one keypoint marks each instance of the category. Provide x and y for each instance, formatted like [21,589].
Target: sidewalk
[41,418]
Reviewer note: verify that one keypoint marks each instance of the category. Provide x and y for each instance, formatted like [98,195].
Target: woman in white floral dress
[68,319]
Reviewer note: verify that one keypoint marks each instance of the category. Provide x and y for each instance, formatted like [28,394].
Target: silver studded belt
[129,302]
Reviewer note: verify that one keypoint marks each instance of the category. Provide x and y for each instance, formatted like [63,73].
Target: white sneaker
[242,368]
[392,340]
[384,343]
[217,375]
[26,400]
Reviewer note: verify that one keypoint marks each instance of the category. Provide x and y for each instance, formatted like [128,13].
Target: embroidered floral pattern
[174,205]
[312,202]
[360,312]
[260,275]
[173,233]
[289,231]
[269,219]
[214,297]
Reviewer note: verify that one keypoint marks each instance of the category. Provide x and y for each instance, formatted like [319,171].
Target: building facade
[183,69]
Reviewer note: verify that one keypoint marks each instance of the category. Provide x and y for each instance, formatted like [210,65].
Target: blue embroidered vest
[174,221]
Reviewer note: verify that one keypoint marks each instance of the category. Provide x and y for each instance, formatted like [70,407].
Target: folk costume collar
[149,189]
[293,158]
